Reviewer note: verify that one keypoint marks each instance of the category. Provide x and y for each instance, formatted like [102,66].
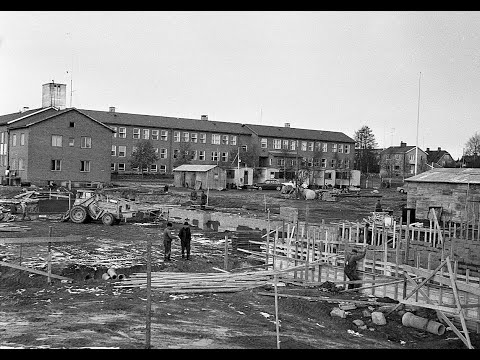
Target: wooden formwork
[389,269]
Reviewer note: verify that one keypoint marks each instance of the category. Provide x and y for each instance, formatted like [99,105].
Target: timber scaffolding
[389,269]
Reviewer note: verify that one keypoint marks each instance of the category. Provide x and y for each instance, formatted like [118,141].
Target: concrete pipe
[111,272]
[105,276]
[408,319]
[121,277]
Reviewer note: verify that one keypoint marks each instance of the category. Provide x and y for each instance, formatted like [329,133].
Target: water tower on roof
[54,95]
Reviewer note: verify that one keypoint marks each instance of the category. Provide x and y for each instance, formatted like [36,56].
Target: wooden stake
[225,259]
[149,294]
[277,327]
[49,261]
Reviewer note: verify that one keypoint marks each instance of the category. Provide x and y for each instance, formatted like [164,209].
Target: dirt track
[91,312]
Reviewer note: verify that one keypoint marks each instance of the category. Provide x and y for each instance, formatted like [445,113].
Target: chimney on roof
[54,95]
[439,148]
[204,117]
[428,149]
[25,108]
[287,124]
[111,109]
[402,144]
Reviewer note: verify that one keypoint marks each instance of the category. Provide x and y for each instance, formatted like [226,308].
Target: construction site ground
[93,313]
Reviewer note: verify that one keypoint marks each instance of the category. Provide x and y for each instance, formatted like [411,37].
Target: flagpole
[418,121]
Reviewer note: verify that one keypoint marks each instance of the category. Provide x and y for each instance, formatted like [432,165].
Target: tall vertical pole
[418,121]
[149,293]
[277,325]
[49,264]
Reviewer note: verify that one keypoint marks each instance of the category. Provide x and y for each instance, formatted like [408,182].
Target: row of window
[56,165]
[85,141]
[305,145]
[178,136]
[152,168]
[310,162]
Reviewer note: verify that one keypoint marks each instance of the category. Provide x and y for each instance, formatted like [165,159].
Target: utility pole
[418,121]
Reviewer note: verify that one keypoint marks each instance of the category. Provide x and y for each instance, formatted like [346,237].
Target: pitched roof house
[439,158]
[398,162]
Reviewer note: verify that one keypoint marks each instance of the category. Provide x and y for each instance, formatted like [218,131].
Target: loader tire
[78,214]
[108,219]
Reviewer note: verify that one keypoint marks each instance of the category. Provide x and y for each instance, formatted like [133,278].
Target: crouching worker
[351,266]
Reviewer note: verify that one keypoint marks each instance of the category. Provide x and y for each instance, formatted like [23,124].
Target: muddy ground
[92,313]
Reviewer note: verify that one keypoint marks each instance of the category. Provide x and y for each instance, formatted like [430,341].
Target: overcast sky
[321,70]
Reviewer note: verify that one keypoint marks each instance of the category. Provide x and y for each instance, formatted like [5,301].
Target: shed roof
[448,175]
[195,168]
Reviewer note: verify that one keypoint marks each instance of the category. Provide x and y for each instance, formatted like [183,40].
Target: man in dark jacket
[185,238]
[167,241]
[351,266]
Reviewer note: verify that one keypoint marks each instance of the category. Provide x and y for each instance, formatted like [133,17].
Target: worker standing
[167,241]
[203,199]
[185,236]
[351,266]
[378,206]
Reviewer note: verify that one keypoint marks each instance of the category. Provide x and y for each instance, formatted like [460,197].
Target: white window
[164,135]
[20,164]
[186,137]
[304,146]
[224,139]
[214,155]
[334,147]
[114,150]
[114,128]
[176,152]
[244,147]
[340,163]
[112,167]
[340,148]
[280,162]
[285,144]
[122,151]
[412,157]
[347,163]
[316,162]
[176,136]
[318,146]
[324,163]
[310,146]
[332,163]
[201,155]
[194,137]
[56,165]
[293,145]
[56,140]
[145,169]
[325,146]
[270,162]
[225,156]
[121,167]
[146,134]
[215,139]
[310,162]
[84,166]
[22,139]
[154,134]
[71,142]
[163,153]
[136,133]
[194,154]
[122,133]
[163,169]
[153,168]
[277,144]
[293,162]
[347,149]
[203,138]
[264,143]
[233,139]
[14,140]
[86,142]
[156,151]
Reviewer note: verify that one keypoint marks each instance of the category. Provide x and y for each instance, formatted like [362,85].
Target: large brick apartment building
[42,146]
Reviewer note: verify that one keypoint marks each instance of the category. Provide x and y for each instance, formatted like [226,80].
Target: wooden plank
[40,240]
[442,280]
[35,271]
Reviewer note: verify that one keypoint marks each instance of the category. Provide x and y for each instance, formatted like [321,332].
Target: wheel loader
[97,207]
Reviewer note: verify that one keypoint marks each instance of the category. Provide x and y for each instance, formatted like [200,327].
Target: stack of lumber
[13,228]
[174,282]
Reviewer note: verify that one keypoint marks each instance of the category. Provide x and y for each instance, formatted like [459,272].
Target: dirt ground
[92,313]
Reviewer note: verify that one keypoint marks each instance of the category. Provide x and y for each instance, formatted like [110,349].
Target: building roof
[399,149]
[29,118]
[434,156]
[196,168]
[119,119]
[296,133]
[448,175]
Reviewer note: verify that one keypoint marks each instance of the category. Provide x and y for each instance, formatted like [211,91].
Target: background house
[398,162]
[439,158]
[200,177]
